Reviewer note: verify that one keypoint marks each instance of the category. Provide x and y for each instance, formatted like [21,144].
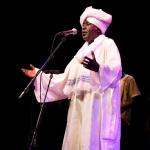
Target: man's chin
[84,38]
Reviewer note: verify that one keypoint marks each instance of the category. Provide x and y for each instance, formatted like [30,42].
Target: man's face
[88,31]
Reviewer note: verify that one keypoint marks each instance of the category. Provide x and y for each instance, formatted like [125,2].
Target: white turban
[97,17]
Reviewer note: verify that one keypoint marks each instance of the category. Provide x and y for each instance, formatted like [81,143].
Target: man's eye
[88,24]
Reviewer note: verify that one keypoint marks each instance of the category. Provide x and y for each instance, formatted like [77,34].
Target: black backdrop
[34,25]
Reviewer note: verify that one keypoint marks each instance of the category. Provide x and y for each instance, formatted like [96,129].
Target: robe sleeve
[55,91]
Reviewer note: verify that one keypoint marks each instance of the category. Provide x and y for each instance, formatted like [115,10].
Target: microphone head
[74,31]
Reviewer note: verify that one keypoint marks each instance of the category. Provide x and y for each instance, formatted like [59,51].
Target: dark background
[33,26]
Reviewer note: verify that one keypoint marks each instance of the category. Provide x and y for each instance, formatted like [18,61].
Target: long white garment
[93,121]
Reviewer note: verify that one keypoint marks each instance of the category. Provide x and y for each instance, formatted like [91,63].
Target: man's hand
[30,73]
[90,63]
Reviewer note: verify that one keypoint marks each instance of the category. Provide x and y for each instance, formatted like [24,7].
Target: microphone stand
[43,66]
[33,140]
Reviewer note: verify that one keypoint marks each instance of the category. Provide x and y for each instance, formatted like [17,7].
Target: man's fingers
[23,70]
[32,66]
[93,55]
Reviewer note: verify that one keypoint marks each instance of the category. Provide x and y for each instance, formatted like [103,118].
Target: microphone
[73,31]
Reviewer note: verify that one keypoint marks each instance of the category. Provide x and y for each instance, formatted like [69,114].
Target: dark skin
[89,33]
[91,63]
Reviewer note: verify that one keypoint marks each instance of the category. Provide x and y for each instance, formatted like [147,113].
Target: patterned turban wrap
[97,17]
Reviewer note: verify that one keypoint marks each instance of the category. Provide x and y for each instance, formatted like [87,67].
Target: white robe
[93,121]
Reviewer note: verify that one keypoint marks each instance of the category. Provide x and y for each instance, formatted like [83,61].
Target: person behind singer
[129,94]
[91,81]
